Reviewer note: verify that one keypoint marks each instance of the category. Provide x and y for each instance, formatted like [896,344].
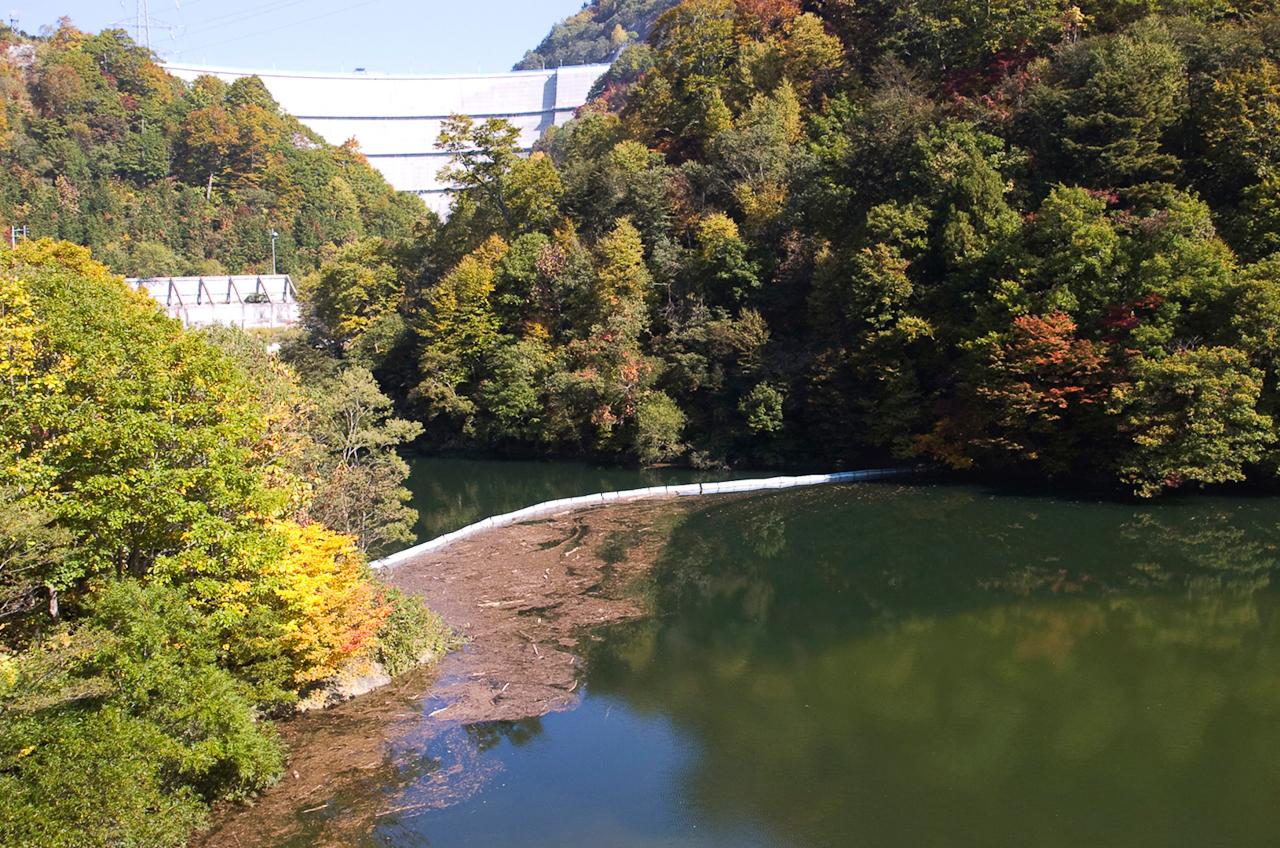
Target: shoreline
[525,595]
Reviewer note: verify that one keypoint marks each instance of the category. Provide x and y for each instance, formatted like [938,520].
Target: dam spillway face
[397,119]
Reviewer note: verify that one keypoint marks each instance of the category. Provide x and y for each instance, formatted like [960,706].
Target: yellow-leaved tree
[330,608]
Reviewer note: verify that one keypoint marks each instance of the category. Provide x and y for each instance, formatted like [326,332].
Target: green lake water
[890,665]
[450,493]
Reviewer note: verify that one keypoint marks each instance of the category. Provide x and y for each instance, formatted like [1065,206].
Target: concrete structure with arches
[396,119]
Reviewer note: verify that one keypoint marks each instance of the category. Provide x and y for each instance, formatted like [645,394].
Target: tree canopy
[165,578]
[1008,237]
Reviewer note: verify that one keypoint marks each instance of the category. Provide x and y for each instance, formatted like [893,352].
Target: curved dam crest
[397,118]
[650,493]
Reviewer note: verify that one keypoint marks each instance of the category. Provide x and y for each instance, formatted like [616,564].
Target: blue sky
[388,36]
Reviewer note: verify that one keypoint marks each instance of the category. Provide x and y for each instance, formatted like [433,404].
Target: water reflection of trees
[370,799]
[928,667]
[1155,721]
[452,493]
[1216,551]
[489,734]
[791,565]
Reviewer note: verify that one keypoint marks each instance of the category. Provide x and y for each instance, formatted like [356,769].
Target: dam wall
[397,118]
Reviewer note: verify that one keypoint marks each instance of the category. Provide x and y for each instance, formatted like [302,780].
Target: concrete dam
[396,118]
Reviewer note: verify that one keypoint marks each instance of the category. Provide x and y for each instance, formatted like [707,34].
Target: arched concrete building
[397,119]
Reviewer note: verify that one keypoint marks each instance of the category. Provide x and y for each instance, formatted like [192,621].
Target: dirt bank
[524,596]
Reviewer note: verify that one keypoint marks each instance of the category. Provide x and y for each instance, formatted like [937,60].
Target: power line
[285,26]
[243,15]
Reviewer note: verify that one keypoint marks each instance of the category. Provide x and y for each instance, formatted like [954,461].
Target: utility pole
[274,236]
[14,233]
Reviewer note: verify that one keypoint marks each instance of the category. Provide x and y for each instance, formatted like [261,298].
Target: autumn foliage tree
[160,589]
[104,361]
[329,608]
[1036,392]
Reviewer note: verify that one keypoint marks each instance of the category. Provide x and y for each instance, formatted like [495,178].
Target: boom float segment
[651,493]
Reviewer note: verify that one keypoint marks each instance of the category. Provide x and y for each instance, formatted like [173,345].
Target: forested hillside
[1027,237]
[1020,236]
[595,34]
[101,147]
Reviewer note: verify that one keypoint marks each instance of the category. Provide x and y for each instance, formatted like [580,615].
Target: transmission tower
[142,23]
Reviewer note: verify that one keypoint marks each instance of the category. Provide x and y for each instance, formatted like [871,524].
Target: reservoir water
[881,665]
[450,493]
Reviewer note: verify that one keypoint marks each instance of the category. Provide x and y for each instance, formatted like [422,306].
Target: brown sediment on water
[523,595]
